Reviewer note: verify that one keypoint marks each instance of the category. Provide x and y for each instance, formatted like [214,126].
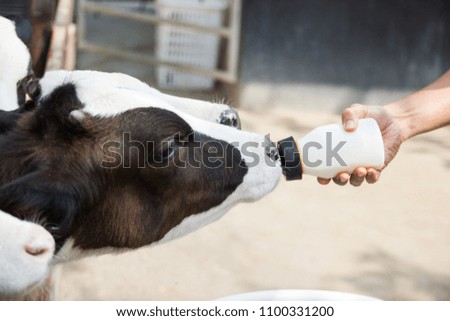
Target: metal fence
[230,32]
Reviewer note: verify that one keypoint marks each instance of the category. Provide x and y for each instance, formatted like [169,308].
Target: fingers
[351,115]
[341,179]
[323,181]
[372,175]
[358,176]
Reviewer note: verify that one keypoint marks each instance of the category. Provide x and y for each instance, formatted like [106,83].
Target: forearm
[424,110]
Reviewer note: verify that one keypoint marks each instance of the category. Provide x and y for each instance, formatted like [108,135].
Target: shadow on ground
[393,279]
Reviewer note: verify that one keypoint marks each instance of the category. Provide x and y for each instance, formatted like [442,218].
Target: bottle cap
[290,159]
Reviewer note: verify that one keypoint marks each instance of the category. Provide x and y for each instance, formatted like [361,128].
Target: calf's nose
[40,244]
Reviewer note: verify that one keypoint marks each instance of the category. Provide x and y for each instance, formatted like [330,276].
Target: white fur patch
[14,62]
[108,94]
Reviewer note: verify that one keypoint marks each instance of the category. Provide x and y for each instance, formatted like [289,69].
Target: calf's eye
[169,149]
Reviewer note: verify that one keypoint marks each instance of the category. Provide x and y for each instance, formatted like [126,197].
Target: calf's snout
[26,251]
[40,244]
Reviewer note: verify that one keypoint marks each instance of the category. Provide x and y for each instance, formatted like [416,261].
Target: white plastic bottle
[329,150]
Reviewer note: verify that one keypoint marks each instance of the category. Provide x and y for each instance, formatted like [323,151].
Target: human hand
[392,139]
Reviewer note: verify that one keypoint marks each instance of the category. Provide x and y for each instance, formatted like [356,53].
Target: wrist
[403,115]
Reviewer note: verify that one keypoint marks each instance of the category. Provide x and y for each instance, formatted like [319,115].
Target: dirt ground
[389,240]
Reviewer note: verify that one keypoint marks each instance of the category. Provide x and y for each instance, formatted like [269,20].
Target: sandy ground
[389,240]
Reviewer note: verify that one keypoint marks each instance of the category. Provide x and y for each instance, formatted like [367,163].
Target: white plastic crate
[188,47]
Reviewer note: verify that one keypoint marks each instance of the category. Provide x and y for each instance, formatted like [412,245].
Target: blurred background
[289,66]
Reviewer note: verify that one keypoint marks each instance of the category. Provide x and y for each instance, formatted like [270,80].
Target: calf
[104,163]
[109,182]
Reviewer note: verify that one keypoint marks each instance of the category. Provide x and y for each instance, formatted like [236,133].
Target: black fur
[52,114]
[8,120]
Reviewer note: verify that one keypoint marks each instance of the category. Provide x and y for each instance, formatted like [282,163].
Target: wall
[348,46]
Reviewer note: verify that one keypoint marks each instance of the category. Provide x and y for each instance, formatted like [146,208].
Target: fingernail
[350,124]
[342,179]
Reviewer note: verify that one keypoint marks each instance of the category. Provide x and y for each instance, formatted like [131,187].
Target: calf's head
[144,176]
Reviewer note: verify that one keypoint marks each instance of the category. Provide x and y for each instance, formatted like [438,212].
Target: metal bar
[216,74]
[234,40]
[81,21]
[64,13]
[90,7]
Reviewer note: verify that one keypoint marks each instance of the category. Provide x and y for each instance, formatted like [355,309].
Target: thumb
[351,115]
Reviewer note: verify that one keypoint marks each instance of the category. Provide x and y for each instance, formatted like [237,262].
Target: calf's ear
[61,112]
[30,86]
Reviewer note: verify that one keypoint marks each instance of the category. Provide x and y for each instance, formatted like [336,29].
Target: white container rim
[297,295]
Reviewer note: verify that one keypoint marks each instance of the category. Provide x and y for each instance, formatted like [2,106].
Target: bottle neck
[290,159]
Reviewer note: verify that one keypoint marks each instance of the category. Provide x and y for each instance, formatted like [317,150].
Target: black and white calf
[26,248]
[104,163]
[159,168]
[107,168]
